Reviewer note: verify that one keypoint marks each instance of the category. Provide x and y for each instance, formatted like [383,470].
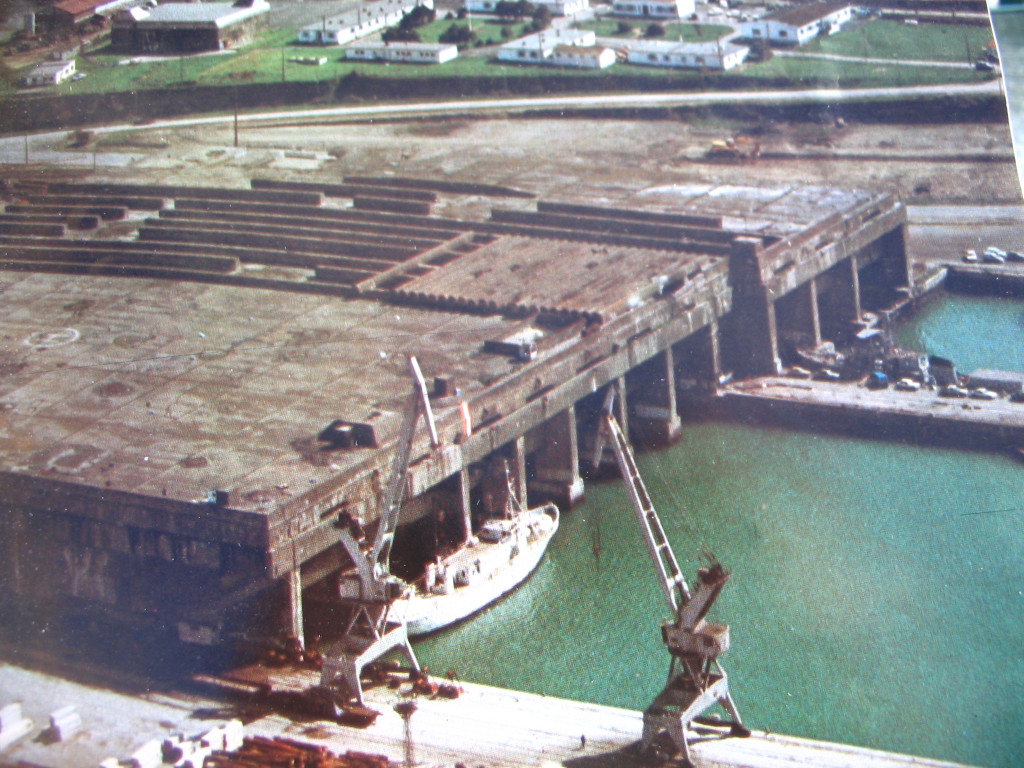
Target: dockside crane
[371,591]
[696,680]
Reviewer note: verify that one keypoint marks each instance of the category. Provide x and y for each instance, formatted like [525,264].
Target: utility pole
[406,709]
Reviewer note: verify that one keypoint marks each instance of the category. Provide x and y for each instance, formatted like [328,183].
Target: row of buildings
[580,48]
[190,27]
[791,25]
[567,48]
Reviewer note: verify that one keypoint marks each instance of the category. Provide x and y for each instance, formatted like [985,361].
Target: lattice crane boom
[673,583]
[373,628]
[418,403]
[696,680]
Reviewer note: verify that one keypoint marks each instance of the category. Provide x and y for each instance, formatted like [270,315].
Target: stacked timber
[260,752]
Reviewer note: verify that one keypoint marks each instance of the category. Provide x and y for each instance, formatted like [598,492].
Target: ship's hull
[430,612]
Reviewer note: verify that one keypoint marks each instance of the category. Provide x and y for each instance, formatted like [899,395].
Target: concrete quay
[483,727]
[996,279]
[923,416]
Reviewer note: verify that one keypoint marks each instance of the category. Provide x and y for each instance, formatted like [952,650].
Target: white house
[654,9]
[50,73]
[539,47]
[583,56]
[360,21]
[557,7]
[797,24]
[666,53]
[403,53]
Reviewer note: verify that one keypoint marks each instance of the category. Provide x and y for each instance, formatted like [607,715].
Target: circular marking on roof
[51,339]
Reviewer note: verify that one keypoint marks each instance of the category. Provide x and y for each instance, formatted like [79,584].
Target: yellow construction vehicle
[741,149]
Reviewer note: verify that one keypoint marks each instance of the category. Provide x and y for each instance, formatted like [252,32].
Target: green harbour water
[877,595]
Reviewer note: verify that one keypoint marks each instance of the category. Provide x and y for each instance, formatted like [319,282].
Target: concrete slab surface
[485,726]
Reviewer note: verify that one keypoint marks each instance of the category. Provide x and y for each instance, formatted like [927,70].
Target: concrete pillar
[517,466]
[293,585]
[753,326]
[709,370]
[756,337]
[622,405]
[655,418]
[812,302]
[895,262]
[855,288]
[465,506]
[558,461]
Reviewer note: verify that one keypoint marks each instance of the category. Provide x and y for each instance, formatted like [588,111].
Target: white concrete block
[197,758]
[234,735]
[213,738]
[13,725]
[147,756]
[65,723]
[10,715]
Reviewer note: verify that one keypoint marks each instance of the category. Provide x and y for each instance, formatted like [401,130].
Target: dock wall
[988,279]
[949,422]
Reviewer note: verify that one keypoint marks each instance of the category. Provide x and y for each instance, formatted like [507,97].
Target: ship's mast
[696,681]
[371,590]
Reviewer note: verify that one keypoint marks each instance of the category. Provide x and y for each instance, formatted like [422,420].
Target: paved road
[865,60]
[13,148]
[958,215]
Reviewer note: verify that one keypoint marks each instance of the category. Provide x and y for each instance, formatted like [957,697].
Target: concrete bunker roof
[171,389]
[163,388]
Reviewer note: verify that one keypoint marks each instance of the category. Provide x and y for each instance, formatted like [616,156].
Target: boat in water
[502,554]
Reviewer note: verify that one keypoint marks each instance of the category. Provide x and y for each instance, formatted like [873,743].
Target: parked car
[952,390]
[971,256]
[1014,256]
[983,394]
[878,380]
[994,256]
[826,374]
[984,66]
[908,385]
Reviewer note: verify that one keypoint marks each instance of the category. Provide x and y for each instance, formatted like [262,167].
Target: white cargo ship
[502,554]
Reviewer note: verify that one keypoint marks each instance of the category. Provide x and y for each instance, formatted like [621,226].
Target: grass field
[269,59]
[839,74]
[895,40]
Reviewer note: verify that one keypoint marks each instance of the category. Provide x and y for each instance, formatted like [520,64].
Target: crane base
[680,703]
[344,661]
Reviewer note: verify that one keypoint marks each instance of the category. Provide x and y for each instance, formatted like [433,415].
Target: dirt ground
[967,166]
[959,163]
